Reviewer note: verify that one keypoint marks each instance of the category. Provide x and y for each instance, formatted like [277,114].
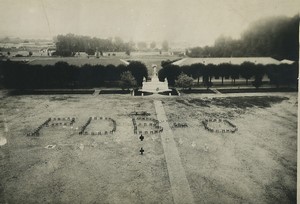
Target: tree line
[275,37]
[70,44]
[282,74]
[19,75]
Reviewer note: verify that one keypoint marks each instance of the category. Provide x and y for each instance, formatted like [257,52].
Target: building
[229,60]
[233,61]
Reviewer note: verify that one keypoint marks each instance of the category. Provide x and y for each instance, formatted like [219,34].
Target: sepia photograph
[149,101]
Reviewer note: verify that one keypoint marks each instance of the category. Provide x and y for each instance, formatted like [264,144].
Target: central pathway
[179,184]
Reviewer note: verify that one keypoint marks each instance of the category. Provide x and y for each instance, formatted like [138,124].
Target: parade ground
[196,148]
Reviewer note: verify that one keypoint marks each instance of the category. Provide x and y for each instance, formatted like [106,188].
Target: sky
[197,22]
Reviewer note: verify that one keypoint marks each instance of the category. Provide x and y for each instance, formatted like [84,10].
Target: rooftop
[230,60]
[285,61]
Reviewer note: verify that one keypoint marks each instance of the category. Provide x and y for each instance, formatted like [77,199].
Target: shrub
[127,80]
[184,81]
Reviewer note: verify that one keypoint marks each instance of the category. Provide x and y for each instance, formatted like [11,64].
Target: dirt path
[179,184]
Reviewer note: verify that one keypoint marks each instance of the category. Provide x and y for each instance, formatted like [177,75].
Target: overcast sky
[194,21]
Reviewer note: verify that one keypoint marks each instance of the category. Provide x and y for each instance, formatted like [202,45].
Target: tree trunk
[222,81]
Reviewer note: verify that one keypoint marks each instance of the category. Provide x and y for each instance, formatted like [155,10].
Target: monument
[155,86]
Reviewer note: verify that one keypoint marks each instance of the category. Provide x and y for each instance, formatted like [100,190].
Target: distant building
[229,60]
[21,53]
[81,54]
[179,52]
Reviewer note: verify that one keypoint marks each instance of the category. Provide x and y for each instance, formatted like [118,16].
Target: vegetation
[275,37]
[165,45]
[127,80]
[184,81]
[282,74]
[20,75]
[142,45]
[68,45]
[139,71]
[171,72]
[153,45]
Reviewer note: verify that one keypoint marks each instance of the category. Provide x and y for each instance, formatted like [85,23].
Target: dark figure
[142,137]
[142,151]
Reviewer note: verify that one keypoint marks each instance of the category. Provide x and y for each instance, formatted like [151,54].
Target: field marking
[179,184]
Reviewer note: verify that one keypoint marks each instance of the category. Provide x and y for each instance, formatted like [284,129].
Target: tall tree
[234,72]
[275,37]
[153,45]
[165,45]
[171,72]
[197,71]
[138,70]
[247,70]
[142,45]
[127,80]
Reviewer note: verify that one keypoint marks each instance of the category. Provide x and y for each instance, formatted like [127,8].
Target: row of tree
[276,37]
[68,45]
[282,74]
[62,75]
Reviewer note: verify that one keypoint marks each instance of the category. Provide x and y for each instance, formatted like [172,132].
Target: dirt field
[256,164]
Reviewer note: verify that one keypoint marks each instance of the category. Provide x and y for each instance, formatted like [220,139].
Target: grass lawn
[256,164]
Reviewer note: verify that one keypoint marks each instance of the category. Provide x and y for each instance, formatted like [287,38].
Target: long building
[234,61]
[230,60]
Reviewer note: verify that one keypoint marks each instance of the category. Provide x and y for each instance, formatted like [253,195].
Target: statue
[154,71]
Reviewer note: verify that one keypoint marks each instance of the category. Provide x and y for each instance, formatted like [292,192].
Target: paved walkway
[179,184]
[97,92]
[215,90]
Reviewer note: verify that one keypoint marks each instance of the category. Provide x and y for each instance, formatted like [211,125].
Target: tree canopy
[165,45]
[20,75]
[184,81]
[127,80]
[275,37]
[281,74]
[68,45]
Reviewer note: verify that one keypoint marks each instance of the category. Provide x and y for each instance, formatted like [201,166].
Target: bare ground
[81,168]
[256,164]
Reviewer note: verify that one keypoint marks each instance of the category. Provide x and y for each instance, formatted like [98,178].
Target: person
[142,151]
